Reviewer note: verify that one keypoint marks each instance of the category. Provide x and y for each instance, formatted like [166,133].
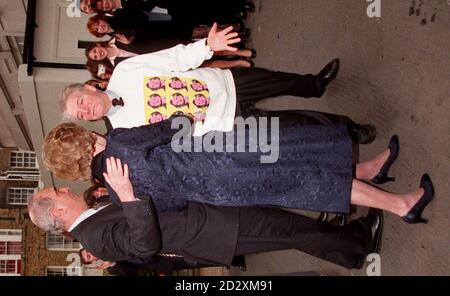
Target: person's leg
[254,84]
[226,64]
[301,117]
[369,169]
[245,52]
[362,134]
[369,196]
[263,230]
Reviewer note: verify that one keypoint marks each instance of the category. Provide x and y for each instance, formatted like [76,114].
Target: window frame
[63,270]
[66,244]
[23,156]
[23,201]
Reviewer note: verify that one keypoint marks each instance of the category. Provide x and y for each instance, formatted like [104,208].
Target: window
[18,196]
[59,242]
[63,271]
[10,266]
[11,232]
[23,159]
[10,251]
[16,43]
[10,248]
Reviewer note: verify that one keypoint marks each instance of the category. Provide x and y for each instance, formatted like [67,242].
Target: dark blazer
[196,12]
[146,5]
[158,265]
[201,233]
[143,42]
[129,21]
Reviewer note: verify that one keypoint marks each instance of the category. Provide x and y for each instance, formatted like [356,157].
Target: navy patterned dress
[313,172]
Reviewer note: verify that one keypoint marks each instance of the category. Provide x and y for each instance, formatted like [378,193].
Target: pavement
[394,74]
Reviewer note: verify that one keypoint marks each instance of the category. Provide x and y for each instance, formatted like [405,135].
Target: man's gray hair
[67,91]
[39,210]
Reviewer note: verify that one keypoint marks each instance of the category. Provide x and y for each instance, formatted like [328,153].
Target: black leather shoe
[414,216]
[363,133]
[239,262]
[323,217]
[242,14]
[375,221]
[360,263]
[328,73]
[394,150]
[250,6]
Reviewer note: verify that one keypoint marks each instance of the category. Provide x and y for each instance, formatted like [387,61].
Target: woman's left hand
[119,180]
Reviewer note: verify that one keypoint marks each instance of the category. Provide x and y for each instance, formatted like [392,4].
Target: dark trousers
[263,230]
[289,117]
[254,84]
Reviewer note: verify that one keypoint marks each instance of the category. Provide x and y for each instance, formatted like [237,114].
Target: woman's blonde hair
[68,151]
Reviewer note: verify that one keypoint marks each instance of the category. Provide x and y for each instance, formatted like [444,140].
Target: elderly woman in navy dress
[314,170]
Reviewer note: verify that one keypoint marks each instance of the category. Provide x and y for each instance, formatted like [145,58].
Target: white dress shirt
[127,82]
[86,214]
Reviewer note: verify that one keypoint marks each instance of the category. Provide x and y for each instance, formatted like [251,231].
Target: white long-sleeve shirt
[182,61]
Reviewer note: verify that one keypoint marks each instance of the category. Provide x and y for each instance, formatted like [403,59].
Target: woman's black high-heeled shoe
[414,216]
[394,150]
[250,6]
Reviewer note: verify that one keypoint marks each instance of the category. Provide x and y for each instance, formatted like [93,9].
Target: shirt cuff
[208,51]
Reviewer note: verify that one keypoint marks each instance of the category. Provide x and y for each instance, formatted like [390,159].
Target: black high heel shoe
[250,6]
[394,149]
[414,216]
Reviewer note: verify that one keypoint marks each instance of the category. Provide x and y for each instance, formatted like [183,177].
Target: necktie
[118,102]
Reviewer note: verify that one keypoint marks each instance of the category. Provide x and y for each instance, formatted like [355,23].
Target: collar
[112,44]
[113,109]
[86,214]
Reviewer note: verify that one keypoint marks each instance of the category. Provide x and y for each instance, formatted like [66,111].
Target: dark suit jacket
[201,233]
[145,5]
[143,42]
[193,12]
[158,265]
[128,21]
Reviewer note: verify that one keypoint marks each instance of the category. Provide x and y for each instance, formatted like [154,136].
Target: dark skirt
[313,171]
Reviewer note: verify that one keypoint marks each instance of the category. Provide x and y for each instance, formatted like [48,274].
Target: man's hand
[100,264]
[221,40]
[119,180]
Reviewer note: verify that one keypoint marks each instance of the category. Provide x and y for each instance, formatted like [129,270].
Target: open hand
[119,180]
[123,39]
[221,40]
[103,264]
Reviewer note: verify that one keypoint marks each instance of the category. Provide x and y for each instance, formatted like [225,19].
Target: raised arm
[186,57]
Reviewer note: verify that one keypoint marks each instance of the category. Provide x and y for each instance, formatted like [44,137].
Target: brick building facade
[25,249]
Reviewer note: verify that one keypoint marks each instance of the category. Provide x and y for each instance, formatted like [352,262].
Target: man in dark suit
[108,6]
[198,12]
[201,233]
